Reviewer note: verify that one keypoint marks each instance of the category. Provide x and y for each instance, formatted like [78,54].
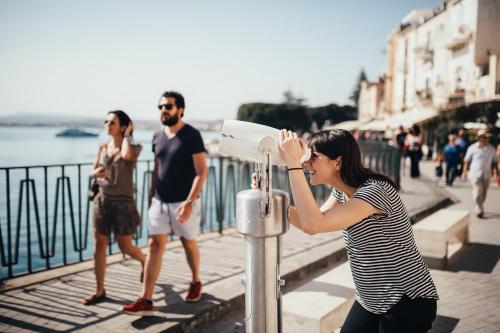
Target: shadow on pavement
[475,257]
[146,322]
[176,310]
[488,216]
[21,324]
[444,324]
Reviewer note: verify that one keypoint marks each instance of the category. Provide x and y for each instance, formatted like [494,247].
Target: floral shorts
[117,214]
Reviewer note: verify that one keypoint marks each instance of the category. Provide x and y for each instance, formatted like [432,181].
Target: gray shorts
[163,220]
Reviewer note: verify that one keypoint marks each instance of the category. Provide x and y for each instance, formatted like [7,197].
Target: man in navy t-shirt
[178,176]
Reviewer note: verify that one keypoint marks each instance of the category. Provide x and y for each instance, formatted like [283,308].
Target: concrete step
[321,304]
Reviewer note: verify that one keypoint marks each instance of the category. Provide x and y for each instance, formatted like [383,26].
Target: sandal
[94,299]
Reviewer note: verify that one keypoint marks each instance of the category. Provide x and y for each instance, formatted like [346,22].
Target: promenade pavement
[469,287]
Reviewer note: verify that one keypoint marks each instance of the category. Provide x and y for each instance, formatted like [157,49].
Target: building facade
[437,59]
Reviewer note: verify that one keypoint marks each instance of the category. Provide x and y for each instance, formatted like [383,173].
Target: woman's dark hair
[123,118]
[339,142]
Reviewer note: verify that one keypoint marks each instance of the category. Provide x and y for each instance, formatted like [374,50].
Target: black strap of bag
[94,185]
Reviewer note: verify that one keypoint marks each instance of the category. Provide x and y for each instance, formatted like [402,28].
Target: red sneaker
[194,294]
[141,307]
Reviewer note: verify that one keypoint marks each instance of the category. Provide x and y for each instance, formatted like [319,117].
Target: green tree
[292,116]
[289,116]
[331,112]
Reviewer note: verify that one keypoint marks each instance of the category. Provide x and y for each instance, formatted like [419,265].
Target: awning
[378,125]
[405,119]
[349,125]
[472,125]
[410,118]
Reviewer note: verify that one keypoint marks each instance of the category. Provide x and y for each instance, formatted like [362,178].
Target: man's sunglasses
[167,107]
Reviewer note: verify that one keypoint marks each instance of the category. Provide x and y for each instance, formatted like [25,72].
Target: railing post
[37,218]
[220,214]
[28,220]
[9,233]
[47,256]
[230,193]
[80,245]
[65,259]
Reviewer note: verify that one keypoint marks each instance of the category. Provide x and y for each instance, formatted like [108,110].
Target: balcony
[424,97]
[424,94]
[457,97]
[459,42]
[424,53]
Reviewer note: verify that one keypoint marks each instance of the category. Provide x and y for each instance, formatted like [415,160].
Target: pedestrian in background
[479,163]
[451,158]
[400,140]
[414,143]
[463,143]
[438,170]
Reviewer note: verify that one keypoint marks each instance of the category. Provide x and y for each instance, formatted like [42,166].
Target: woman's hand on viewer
[291,148]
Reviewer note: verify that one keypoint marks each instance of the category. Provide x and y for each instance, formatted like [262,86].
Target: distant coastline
[30,120]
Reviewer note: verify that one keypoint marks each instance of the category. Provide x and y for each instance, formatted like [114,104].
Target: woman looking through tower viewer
[394,289]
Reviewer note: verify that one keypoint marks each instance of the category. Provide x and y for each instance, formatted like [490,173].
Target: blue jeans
[451,173]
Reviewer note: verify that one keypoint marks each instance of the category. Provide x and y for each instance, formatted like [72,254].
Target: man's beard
[170,120]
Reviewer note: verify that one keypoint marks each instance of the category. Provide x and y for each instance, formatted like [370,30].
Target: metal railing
[381,158]
[46,220]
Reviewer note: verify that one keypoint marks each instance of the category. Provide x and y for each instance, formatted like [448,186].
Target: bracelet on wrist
[290,169]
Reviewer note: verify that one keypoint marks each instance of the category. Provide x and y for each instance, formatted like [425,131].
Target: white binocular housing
[249,141]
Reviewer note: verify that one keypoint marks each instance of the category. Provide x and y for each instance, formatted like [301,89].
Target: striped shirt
[384,259]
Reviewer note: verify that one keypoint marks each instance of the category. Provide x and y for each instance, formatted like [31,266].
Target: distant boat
[75,133]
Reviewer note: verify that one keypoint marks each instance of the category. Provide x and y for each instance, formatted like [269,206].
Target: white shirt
[480,160]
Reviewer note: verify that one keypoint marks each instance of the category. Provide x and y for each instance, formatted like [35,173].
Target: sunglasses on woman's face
[110,122]
[167,107]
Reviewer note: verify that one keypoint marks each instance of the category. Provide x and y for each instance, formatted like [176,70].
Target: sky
[88,57]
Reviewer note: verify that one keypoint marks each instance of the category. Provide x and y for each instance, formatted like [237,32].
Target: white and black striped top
[384,259]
